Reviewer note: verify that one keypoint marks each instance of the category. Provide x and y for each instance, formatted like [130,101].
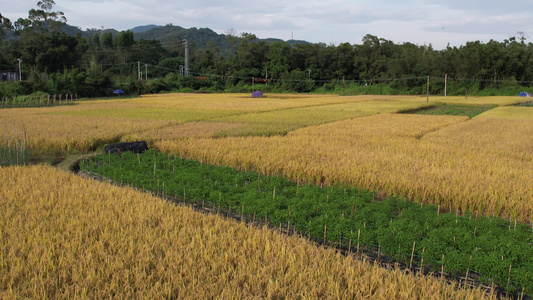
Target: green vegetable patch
[453,110]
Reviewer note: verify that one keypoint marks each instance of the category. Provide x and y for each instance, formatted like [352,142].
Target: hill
[144,28]
[197,36]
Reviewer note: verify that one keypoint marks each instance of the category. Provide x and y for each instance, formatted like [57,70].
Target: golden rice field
[509,112]
[91,123]
[63,236]
[66,237]
[481,101]
[52,132]
[484,164]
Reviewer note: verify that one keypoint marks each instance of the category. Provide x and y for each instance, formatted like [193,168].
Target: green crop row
[495,250]
[454,110]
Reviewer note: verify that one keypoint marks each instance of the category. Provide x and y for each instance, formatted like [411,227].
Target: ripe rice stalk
[89,239]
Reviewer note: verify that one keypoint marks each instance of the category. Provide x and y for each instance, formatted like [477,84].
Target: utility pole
[139,71]
[20,72]
[445,83]
[427,91]
[186,58]
[146,71]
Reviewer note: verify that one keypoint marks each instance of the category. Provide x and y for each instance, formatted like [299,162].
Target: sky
[422,22]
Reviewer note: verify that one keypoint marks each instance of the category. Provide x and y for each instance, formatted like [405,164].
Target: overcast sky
[436,22]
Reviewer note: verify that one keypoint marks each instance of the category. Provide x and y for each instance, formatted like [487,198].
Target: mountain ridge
[199,37]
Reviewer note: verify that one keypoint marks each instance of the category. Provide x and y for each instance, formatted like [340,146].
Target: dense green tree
[54,61]
[107,40]
[278,59]
[250,57]
[5,26]
[43,18]
[370,58]
[297,81]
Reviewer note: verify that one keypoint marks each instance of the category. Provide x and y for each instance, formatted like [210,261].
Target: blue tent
[257,94]
[524,94]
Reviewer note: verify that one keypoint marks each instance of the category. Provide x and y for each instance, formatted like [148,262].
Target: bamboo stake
[358,236]
[412,255]
[422,262]
[468,269]
[350,243]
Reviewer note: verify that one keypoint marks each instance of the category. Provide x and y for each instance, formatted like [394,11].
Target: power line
[375,80]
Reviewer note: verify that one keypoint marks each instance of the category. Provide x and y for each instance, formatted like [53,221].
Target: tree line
[54,62]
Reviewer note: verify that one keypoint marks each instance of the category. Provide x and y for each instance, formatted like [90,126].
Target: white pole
[427,91]
[146,71]
[20,72]
[445,83]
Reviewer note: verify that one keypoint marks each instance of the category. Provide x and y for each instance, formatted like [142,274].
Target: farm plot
[510,112]
[89,124]
[413,156]
[63,133]
[477,101]
[450,161]
[196,107]
[347,217]
[284,121]
[458,163]
[454,110]
[76,238]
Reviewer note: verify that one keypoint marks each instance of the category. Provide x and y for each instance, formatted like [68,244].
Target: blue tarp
[524,94]
[257,94]
[118,92]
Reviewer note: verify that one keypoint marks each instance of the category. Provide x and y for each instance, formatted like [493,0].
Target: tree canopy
[95,65]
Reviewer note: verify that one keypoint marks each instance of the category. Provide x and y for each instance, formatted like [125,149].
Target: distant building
[9,75]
